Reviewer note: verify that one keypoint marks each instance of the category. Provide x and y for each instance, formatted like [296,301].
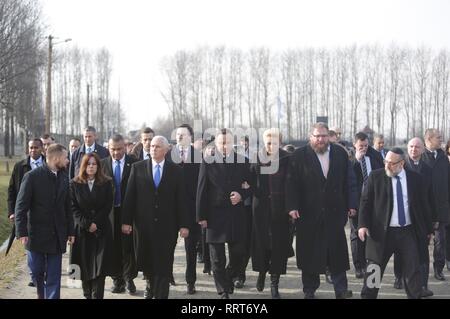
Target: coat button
[156,219]
[156,206]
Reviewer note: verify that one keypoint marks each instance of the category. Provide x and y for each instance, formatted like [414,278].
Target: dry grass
[10,265]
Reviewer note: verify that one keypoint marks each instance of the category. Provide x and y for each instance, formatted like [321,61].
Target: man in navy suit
[118,167]
[394,217]
[89,145]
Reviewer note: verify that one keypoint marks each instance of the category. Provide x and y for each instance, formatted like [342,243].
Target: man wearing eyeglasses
[393,217]
[317,198]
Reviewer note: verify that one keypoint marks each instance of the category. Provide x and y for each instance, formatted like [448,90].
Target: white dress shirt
[324,160]
[145,155]
[394,217]
[34,162]
[92,148]
[121,163]
[161,168]
[91,184]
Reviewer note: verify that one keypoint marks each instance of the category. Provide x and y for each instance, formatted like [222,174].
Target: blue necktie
[400,206]
[117,184]
[157,178]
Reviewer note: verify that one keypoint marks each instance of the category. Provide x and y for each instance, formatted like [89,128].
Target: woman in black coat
[92,196]
[271,244]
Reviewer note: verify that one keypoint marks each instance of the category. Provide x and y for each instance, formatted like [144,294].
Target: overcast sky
[140,32]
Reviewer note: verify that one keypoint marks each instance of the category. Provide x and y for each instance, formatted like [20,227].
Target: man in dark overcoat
[154,211]
[317,198]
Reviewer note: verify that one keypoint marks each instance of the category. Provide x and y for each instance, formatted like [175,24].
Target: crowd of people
[121,209]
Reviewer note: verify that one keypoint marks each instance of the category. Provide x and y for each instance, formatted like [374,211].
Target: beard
[320,149]
[390,173]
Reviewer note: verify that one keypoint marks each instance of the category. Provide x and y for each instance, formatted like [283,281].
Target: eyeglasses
[391,163]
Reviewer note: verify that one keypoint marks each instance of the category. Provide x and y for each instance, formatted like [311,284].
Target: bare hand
[92,228]
[245,185]
[363,233]
[184,232]
[235,198]
[294,214]
[11,218]
[127,229]
[203,223]
[71,240]
[351,212]
[24,240]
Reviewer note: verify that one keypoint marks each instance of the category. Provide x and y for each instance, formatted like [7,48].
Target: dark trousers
[402,241]
[94,288]
[46,273]
[124,259]
[311,282]
[206,254]
[439,247]
[358,247]
[246,245]
[447,242]
[223,276]
[190,246]
[424,258]
[158,285]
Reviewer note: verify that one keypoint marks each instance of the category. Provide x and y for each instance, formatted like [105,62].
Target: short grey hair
[163,140]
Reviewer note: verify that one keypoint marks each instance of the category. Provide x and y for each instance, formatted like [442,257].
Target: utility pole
[48,99]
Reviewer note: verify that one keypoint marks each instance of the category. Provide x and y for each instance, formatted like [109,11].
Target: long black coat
[107,169]
[190,169]
[43,211]
[120,240]
[323,205]
[156,215]
[20,168]
[270,231]
[376,210]
[78,154]
[440,181]
[92,251]
[216,181]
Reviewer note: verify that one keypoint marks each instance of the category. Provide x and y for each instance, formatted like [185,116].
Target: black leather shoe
[359,273]
[398,283]
[238,284]
[207,271]
[118,289]
[439,275]
[131,287]
[261,281]
[426,293]
[344,295]
[31,284]
[172,281]
[191,289]
[148,294]
[224,296]
[309,295]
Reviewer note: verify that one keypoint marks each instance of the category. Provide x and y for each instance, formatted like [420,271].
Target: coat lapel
[389,196]
[317,168]
[149,172]
[126,172]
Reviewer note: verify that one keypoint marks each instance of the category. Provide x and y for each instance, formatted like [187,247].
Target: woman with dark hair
[271,241]
[92,196]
